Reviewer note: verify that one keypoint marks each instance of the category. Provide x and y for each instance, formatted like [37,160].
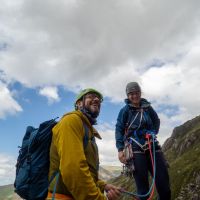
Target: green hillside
[182,150]
[6,192]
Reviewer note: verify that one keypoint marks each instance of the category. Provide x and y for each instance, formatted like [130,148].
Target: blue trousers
[143,165]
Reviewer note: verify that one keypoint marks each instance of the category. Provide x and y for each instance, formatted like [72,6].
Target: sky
[50,50]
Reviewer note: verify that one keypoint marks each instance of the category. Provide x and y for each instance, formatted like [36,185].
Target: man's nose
[96,99]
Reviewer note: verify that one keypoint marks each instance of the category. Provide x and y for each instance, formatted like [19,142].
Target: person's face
[135,98]
[91,102]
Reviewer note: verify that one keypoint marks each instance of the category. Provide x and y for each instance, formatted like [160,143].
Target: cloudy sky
[51,49]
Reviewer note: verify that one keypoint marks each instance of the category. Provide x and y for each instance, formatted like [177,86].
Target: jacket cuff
[101,185]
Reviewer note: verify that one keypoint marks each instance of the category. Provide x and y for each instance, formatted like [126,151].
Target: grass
[6,192]
[182,170]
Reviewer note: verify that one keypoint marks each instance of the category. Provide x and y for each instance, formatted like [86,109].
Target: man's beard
[90,115]
[93,114]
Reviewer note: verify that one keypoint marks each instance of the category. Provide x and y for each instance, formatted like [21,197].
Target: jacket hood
[143,103]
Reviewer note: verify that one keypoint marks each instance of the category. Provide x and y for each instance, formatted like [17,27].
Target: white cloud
[104,44]
[7,169]
[51,93]
[86,41]
[8,104]
[176,85]
[108,154]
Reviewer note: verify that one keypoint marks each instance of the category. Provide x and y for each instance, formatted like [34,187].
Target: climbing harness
[127,170]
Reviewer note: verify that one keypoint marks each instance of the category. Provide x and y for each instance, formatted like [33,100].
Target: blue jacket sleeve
[155,119]
[120,128]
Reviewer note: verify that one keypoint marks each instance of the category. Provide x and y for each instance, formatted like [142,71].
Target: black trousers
[143,165]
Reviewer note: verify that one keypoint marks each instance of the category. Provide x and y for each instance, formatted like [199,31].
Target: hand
[122,157]
[113,192]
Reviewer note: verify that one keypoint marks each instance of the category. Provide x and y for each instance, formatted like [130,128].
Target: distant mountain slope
[104,174]
[182,151]
[7,193]
[109,172]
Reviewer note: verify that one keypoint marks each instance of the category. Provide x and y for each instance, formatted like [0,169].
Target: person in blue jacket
[135,120]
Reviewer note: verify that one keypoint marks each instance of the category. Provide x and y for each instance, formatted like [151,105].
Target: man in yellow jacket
[78,164]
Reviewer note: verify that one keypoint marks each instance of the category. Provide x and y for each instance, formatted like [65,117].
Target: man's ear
[79,104]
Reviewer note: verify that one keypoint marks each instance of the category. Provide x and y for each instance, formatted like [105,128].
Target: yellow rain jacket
[78,166]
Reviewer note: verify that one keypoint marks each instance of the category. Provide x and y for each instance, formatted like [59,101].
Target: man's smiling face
[92,102]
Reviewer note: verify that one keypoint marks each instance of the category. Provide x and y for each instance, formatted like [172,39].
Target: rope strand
[153,161]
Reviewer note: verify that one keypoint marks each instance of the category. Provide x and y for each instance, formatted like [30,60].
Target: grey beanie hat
[132,87]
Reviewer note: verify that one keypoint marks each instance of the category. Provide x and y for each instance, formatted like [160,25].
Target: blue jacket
[135,120]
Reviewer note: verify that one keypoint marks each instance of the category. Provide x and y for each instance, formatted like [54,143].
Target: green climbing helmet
[86,91]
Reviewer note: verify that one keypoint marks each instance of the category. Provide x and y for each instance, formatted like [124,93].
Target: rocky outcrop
[185,128]
[183,137]
[191,190]
[182,151]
